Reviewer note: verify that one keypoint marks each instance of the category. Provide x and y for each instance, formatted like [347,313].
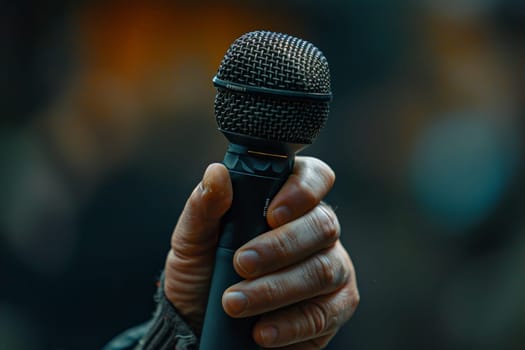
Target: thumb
[189,264]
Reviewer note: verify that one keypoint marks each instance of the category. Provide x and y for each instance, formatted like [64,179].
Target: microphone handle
[256,178]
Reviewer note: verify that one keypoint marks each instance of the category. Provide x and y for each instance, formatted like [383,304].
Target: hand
[299,277]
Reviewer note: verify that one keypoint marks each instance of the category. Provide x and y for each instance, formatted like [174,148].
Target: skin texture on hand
[298,276]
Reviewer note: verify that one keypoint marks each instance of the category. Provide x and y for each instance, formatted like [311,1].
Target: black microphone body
[256,178]
[266,124]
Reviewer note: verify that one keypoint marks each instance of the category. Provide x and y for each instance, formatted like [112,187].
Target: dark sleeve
[167,330]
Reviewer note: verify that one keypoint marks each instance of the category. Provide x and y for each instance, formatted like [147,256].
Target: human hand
[299,277]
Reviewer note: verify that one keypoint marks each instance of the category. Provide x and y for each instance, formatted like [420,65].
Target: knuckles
[284,245]
[316,168]
[316,316]
[312,179]
[329,271]
[325,223]
[308,189]
[325,272]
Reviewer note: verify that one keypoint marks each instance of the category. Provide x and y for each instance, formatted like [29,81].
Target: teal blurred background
[107,124]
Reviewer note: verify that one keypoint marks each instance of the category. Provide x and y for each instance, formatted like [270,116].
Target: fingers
[189,264]
[320,274]
[309,324]
[288,244]
[309,183]
[202,213]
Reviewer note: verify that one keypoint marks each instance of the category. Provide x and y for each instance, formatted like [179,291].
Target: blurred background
[107,125]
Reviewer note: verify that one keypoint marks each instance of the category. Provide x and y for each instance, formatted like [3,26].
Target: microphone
[273,95]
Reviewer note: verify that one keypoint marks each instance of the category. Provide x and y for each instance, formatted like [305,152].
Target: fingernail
[282,215]
[269,335]
[205,182]
[236,302]
[247,261]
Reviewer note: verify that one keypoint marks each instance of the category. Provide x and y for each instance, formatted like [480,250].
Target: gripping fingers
[308,322]
[320,274]
[310,181]
[288,244]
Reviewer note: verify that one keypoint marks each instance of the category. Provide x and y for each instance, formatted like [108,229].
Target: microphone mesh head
[275,61]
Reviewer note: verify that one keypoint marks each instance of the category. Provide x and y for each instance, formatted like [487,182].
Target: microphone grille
[278,63]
